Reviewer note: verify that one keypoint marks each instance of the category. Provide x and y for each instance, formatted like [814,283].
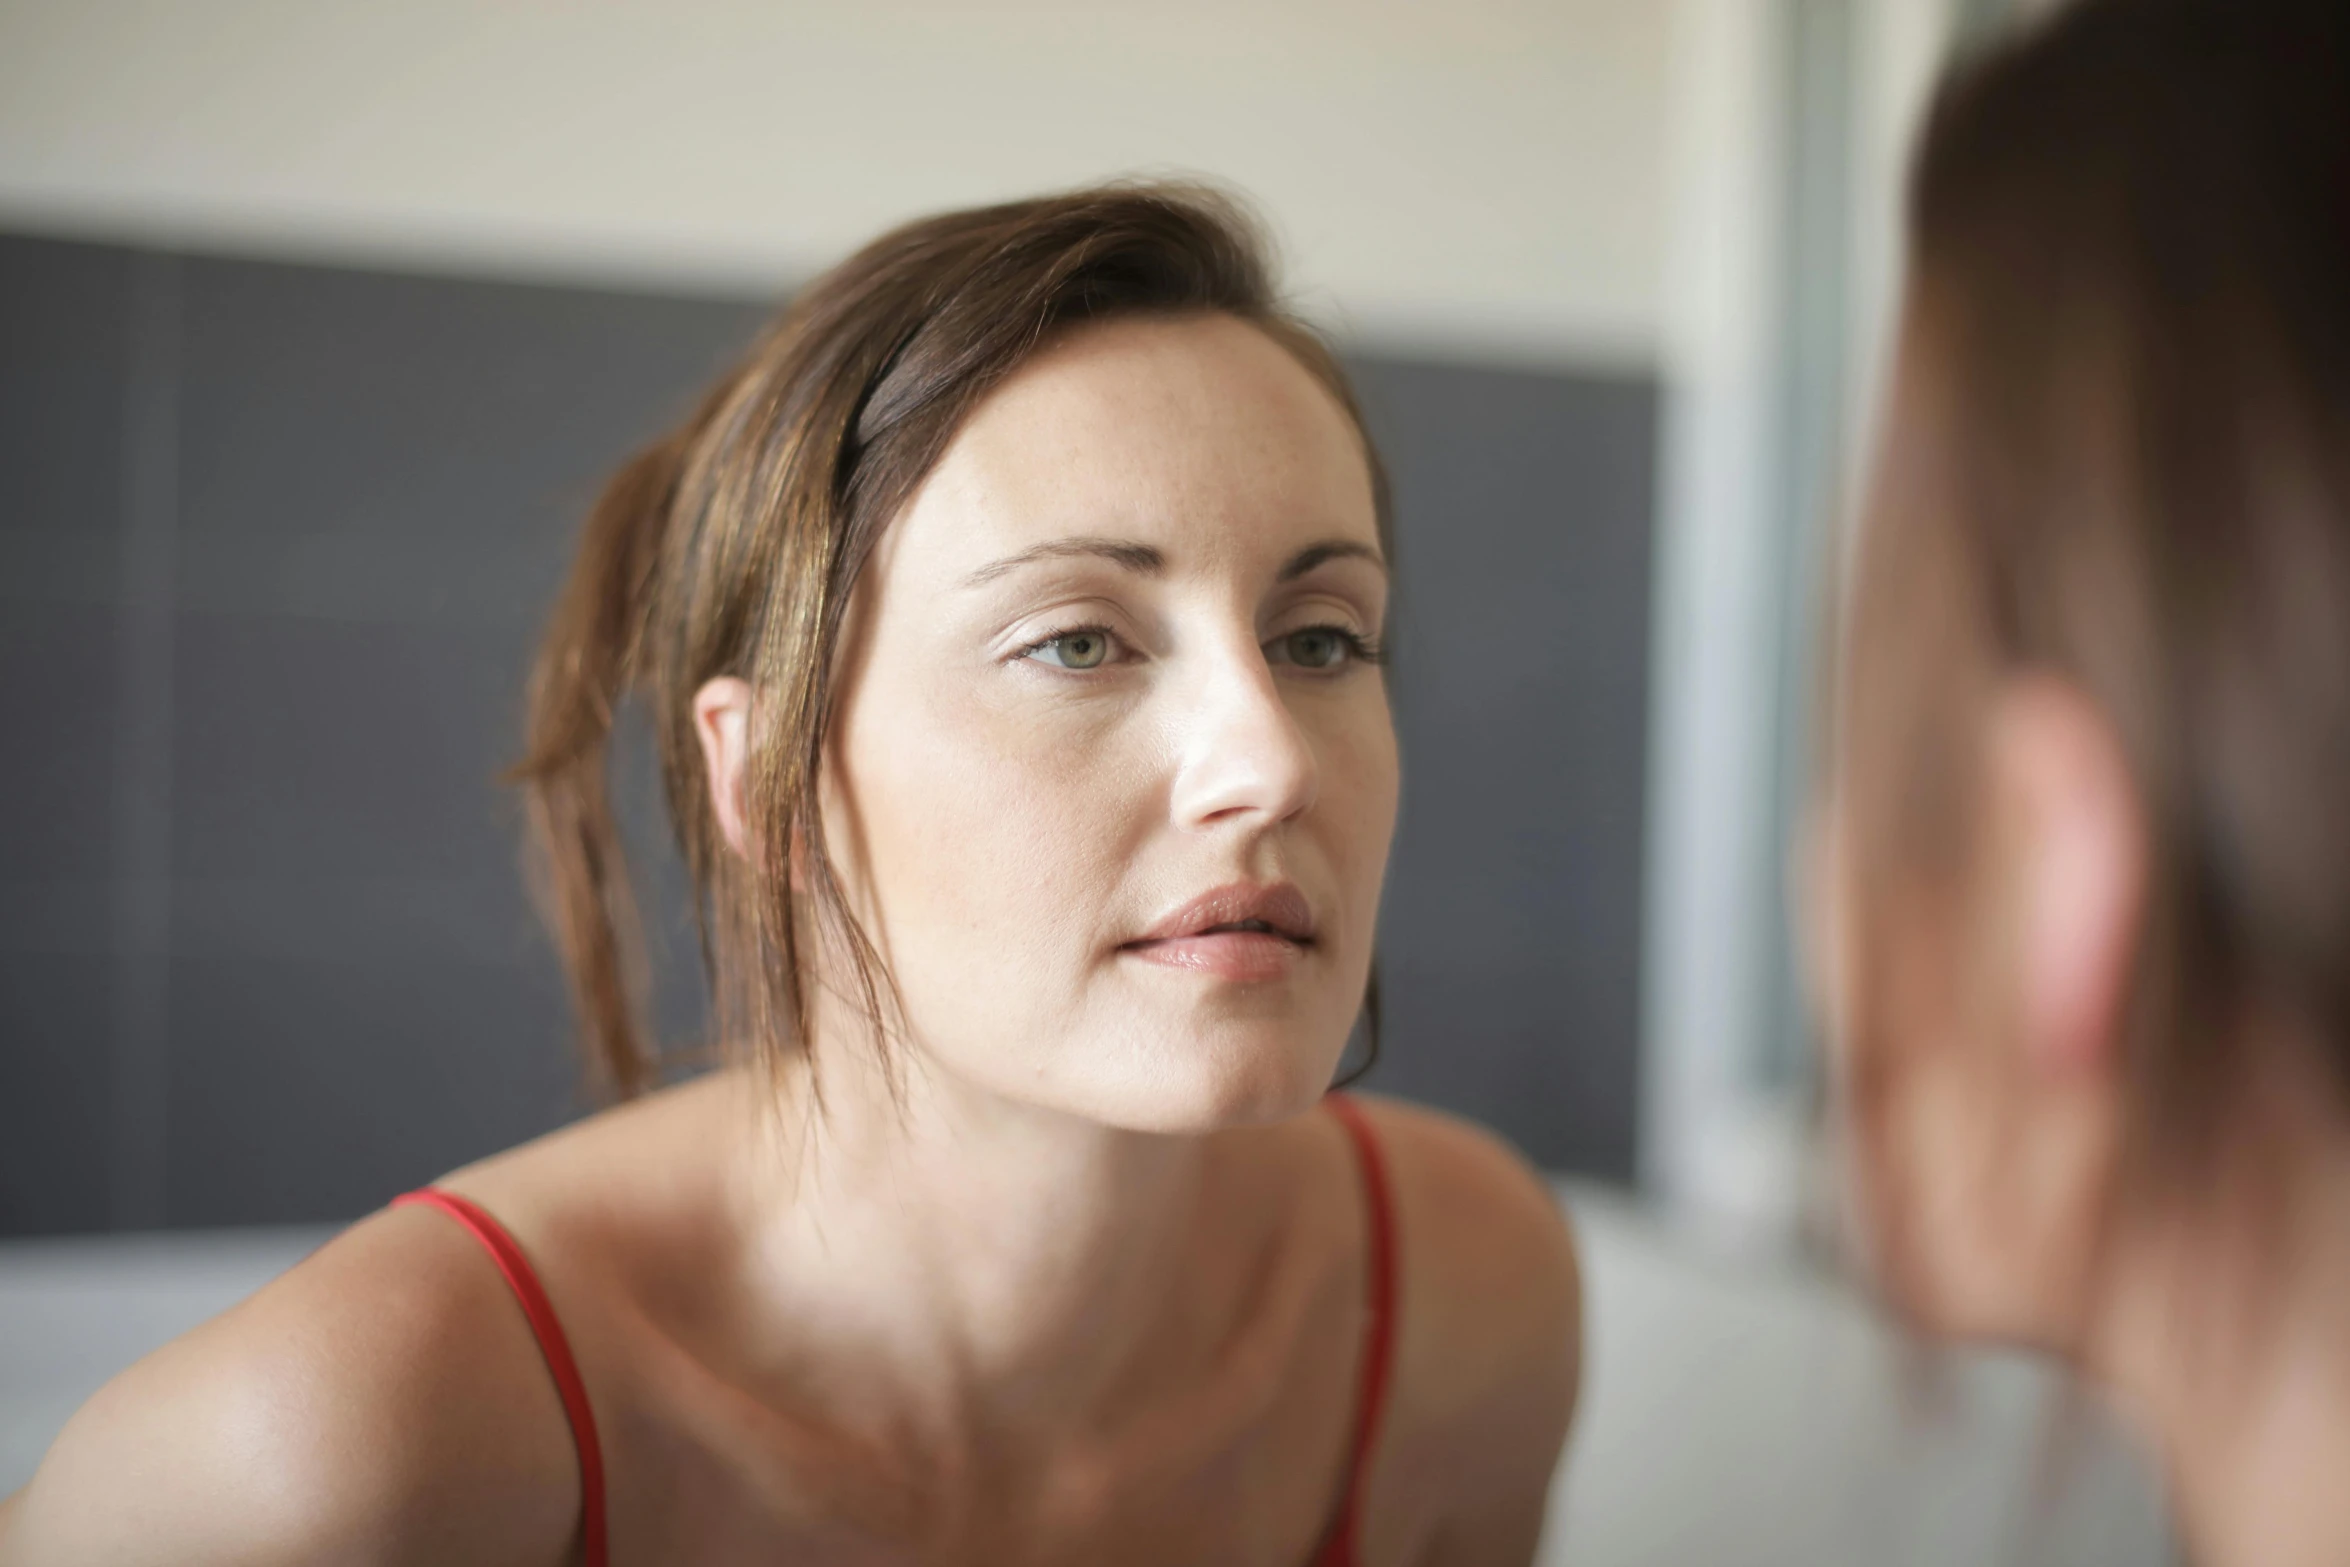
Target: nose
[1242,759]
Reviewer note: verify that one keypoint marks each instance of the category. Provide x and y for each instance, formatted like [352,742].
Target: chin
[1253,1076]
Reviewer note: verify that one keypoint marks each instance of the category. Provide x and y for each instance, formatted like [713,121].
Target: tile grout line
[143,761]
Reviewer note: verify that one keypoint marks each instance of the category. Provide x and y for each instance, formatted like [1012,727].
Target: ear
[722,722]
[2073,877]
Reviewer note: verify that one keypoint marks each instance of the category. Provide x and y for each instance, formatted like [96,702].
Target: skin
[2005,1206]
[1092,1287]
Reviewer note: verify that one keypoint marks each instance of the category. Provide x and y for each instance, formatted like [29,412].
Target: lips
[1243,932]
[1278,907]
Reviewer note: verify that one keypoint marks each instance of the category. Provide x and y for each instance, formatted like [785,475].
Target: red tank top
[1338,1549]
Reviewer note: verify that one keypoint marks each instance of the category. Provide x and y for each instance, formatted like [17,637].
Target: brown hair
[731,546]
[2129,467]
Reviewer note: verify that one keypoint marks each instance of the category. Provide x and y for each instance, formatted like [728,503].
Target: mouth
[1245,932]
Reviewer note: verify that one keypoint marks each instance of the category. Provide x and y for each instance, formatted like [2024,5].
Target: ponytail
[588,661]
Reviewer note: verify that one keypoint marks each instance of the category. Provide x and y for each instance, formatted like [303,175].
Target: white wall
[1726,1146]
[1480,175]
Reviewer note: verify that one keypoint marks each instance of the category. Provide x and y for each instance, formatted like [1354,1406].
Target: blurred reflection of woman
[2087,924]
[1009,621]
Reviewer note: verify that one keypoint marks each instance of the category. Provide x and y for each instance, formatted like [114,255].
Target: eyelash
[1360,649]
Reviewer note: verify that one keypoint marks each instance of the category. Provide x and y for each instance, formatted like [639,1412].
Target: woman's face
[1113,775]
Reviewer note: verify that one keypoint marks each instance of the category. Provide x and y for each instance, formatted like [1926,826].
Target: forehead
[1199,435]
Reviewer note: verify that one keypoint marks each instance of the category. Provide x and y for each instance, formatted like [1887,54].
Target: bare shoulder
[383,1402]
[1487,1253]
[1489,1355]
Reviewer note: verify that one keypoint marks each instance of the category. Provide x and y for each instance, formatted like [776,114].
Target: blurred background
[319,325]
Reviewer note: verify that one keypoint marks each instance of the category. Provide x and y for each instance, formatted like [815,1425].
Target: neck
[2227,1338]
[964,1268]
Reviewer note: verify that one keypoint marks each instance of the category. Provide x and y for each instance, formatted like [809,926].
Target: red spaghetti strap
[1379,1333]
[543,1326]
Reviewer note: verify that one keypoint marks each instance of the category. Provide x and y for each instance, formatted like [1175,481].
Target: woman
[1009,621]
[2088,869]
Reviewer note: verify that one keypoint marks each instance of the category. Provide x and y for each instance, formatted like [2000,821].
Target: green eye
[1317,647]
[1073,649]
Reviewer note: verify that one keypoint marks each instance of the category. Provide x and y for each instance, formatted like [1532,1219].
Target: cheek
[1974,1203]
[1910,1101]
[1824,900]
[986,821]
[1942,1174]
[1354,743]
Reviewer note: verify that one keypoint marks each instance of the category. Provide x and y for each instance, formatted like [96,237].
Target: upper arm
[379,1404]
[1494,1360]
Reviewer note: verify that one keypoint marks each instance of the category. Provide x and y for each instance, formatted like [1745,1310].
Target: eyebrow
[1140,558]
[1314,555]
[1147,560]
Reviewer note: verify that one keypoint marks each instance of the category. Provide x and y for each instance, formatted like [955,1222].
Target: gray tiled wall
[274,543]
[1510,935]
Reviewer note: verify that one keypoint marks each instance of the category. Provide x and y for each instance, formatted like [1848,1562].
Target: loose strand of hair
[586,664]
